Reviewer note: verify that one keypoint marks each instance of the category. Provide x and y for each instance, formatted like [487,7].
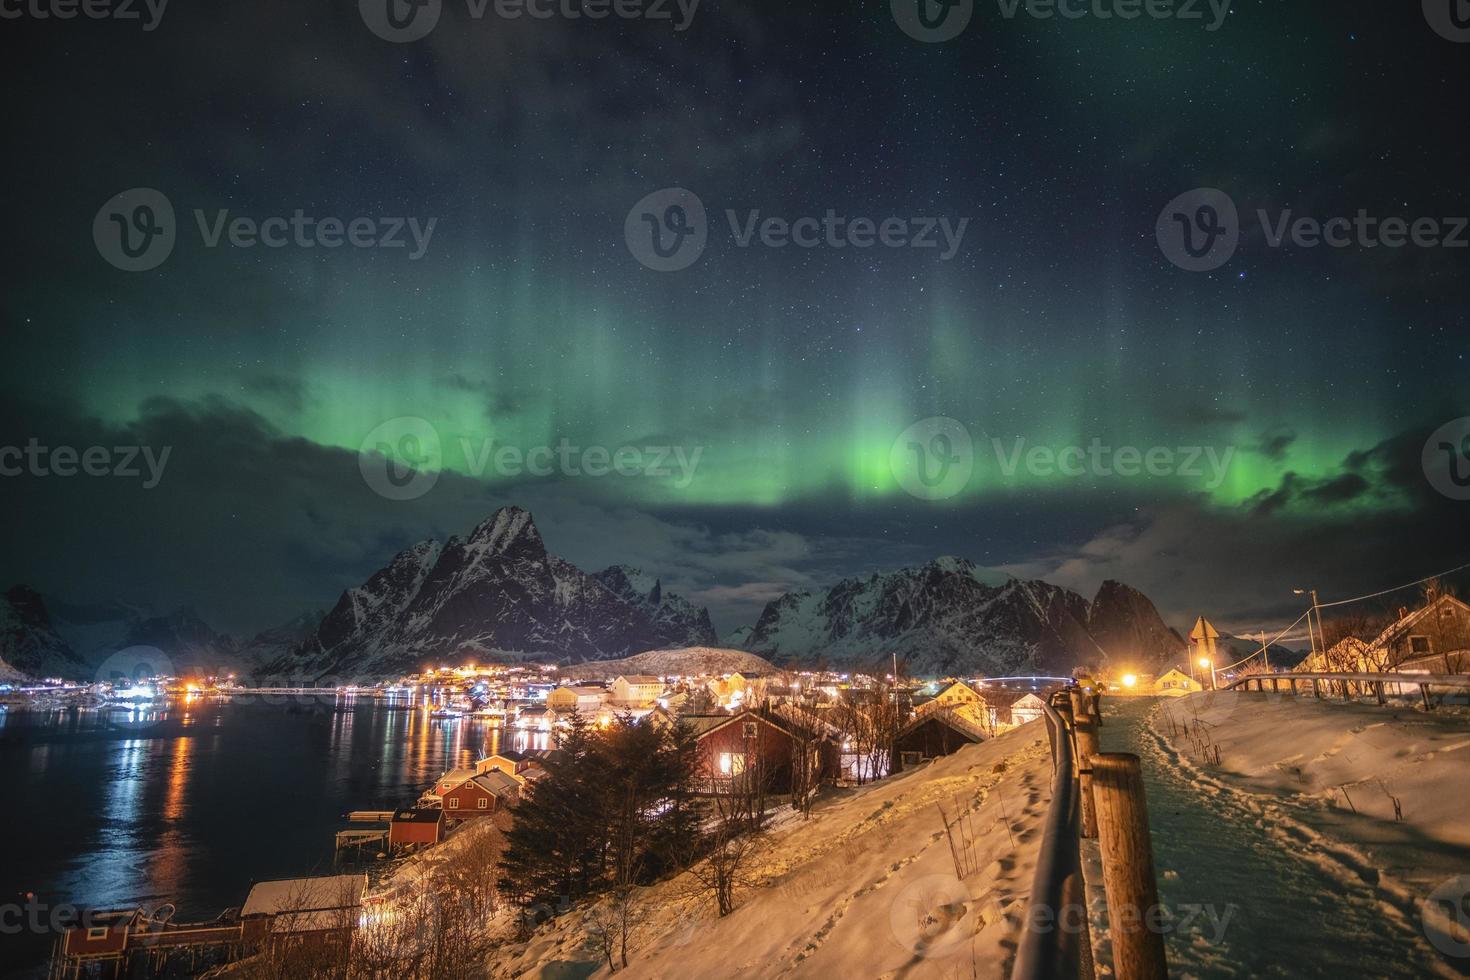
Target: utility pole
[1265,652]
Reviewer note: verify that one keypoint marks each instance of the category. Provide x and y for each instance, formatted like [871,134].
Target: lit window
[732,763]
[97,933]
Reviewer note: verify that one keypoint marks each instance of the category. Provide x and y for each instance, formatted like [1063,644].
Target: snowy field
[1330,839]
[866,888]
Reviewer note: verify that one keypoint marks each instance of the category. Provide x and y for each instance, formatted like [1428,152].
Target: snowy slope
[842,895]
[689,661]
[1320,779]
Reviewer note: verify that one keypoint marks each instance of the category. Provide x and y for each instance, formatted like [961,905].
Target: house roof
[720,721]
[963,686]
[949,720]
[418,814]
[638,679]
[497,783]
[1413,619]
[309,903]
[456,776]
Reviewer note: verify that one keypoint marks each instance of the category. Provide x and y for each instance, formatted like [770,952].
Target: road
[1257,902]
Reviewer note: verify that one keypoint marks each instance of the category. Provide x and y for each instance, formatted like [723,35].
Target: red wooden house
[418,826]
[481,795]
[752,745]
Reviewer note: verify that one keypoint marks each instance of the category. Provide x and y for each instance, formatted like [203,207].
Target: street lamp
[1204,663]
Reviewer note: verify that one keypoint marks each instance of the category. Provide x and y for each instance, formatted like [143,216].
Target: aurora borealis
[526,321]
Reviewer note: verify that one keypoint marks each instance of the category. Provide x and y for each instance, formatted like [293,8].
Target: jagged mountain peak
[950,616]
[509,529]
[497,590]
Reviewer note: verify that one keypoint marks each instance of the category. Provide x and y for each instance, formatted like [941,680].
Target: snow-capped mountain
[671,615]
[952,617]
[42,637]
[496,590]
[29,643]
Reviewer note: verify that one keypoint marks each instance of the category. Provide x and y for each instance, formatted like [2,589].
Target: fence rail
[1049,953]
[1377,684]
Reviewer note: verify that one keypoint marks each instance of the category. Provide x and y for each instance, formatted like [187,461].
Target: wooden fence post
[1087,746]
[1135,918]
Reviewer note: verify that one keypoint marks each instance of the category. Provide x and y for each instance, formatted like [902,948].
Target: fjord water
[193,803]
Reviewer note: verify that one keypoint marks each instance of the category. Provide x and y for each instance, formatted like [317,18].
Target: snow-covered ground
[865,888]
[1292,844]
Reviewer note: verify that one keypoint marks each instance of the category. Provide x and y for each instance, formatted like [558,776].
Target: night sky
[527,319]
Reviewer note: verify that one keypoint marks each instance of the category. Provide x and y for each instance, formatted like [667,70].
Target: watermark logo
[135,230]
[400,21]
[400,459]
[1450,19]
[1199,230]
[925,916]
[128,462]
[932,21]
[150,12]
[1446,459]
[933,459]
[404,21]
[1445,916]
[133,679]
[667,231]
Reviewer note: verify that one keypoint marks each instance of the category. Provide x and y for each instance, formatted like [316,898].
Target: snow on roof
[637,679]
[497,783]
[307,903]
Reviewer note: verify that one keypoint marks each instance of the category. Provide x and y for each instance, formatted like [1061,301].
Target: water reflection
[192,803]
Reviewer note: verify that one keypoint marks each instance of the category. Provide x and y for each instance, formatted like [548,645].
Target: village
[758,744]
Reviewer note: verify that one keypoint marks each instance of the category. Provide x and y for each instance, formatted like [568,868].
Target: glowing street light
[1130,680]
[1204,663]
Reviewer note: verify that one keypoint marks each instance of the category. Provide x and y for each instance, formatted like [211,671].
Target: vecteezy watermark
[401,460]
[1200,230]
[1446,459]
[934,21]
[404,21]
[136,230]
[1445,915]
[668,231]
[126,462]
[926,913]
[1450,19]
[149,12]
[935,458]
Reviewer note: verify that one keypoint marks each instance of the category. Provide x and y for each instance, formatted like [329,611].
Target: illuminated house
[735,749]
[636,690]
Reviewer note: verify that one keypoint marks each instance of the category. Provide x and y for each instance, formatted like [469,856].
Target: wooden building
[481,795]
[416,827]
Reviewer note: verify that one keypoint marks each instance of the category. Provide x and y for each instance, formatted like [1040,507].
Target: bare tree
[728,848]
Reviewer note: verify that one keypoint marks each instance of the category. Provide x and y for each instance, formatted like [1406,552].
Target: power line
[1397,588]
[1344,602]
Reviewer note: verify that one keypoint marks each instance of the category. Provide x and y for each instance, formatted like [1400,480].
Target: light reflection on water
[192,803]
